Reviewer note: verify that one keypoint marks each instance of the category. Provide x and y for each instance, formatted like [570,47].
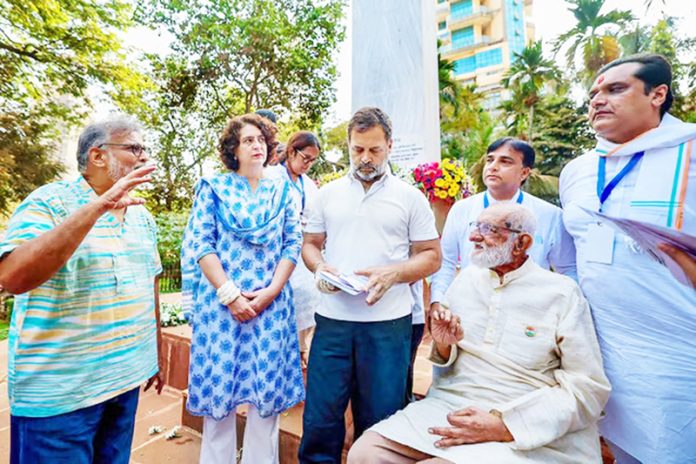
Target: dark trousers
[102,433]
[416,337]
[364,362]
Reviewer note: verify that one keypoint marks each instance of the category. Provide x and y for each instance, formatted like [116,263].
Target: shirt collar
[511,200]
[511,276]
[85,190]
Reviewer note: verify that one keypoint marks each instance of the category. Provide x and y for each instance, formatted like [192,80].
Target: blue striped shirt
[89,333]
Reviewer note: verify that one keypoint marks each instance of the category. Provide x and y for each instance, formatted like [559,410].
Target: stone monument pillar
[395,68]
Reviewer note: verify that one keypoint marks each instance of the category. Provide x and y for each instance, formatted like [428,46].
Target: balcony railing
[480,12]
[451,48]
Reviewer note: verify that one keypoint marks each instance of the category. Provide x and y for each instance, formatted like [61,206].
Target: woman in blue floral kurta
[242,227]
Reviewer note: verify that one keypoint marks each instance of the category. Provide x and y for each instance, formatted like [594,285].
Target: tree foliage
[528,75]
[26,143]
[51,52]
[254,53]
[594,37]
[59,47]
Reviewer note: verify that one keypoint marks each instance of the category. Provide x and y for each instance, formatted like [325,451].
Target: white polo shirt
[365,229]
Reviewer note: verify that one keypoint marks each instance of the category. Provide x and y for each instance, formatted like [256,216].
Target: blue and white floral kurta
[257,361]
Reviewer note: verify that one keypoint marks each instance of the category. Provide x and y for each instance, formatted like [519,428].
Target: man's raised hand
[117,197]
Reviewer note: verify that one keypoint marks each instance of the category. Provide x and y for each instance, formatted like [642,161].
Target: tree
[254,53]
[563,133]
[594,35]
[461,111]
[57,48]
[635,41]
[449,87]
[180,139]
[26,144]
[527,76]
[51,52]
[336,140]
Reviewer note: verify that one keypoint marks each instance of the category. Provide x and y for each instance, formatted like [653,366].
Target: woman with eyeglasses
[240,246]
[301,152]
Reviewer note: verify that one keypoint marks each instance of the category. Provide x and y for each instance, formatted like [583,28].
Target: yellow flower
[439,183]
[441,194]
[453,191]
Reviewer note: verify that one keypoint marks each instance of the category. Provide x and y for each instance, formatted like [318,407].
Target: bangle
[228,293]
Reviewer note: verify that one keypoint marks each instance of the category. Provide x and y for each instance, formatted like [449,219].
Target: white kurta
[529,351]
[552,246]
[645,319]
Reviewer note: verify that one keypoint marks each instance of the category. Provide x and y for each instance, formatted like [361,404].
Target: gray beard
[493,257]
[379,170]
[116,171]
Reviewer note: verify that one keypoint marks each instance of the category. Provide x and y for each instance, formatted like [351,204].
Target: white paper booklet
[648,236]
[351,284]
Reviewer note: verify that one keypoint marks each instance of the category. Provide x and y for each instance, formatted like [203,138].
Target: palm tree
[594,35]
[527,76]
[449,88]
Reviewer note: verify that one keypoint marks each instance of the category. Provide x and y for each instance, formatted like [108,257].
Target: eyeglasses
[487,229]
[306,159]
[135,148]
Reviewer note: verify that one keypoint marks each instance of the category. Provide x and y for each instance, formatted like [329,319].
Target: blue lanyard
[487,203]
[603,191]
[300,189]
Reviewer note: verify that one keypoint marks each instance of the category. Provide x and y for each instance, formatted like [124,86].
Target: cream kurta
[529,351]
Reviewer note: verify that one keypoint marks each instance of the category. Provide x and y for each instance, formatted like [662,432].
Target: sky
[551,18]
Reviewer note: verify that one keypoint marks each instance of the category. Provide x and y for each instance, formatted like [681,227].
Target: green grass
[4,328]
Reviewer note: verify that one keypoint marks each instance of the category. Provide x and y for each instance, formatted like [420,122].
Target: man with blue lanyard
[508,163]
[643,168]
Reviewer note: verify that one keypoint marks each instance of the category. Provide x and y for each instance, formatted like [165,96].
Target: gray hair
[368,117]
[515,216]
[101,132]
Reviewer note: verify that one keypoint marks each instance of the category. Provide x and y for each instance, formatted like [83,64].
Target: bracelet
[228,293]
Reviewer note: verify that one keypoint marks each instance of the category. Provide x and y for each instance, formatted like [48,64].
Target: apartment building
[481,37]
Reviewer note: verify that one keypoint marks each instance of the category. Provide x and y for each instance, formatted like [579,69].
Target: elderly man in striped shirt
[81,256]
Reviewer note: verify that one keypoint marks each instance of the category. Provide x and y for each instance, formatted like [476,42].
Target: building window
[442,25]
[489,58]
[465,65]
[461,9]
[485,59]
[462,37]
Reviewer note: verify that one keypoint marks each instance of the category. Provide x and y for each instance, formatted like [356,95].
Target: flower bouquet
[442,183]
[446,181]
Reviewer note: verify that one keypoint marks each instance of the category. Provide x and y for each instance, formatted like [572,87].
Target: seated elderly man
[522,379]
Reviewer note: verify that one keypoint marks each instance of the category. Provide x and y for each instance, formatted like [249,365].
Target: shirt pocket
[529,344]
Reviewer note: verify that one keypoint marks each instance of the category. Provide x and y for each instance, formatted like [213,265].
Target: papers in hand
[648,236]
[352,285]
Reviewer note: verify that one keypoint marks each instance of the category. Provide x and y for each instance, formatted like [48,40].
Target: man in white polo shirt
[365,222]
[508,163]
